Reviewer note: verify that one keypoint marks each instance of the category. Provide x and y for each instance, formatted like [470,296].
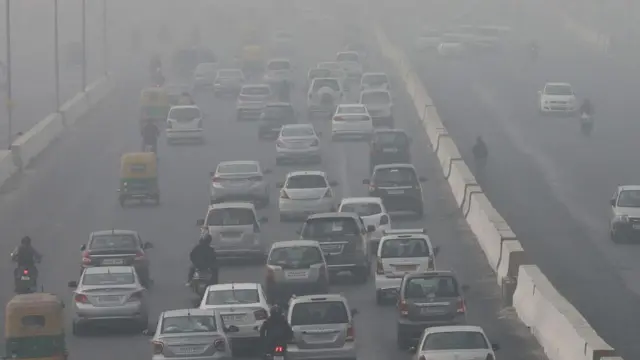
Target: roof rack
[422,231]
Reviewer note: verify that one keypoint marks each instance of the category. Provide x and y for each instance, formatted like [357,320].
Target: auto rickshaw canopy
[139,165]
[34,315]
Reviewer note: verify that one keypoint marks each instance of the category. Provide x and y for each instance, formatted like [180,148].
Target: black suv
[273,116]
[428,299]
[398,186]
[389,146]
[343,239]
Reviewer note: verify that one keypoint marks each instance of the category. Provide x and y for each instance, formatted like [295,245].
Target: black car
[343,239]
[273,116]
[185,61]
[389,146]
[432,298]
[398,186]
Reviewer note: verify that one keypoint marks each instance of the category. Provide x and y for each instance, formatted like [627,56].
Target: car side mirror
[413,349]
[495,347]
[422,179]
[267,171]
[612,202]
[232,329]
[200,222]
[83,247]
[354,312]
[466,288]
[72,284]
[371,228]
[436,250]
[333,183]
[147,245]
[264,219]
[148,332]
[366,182]
[279,185]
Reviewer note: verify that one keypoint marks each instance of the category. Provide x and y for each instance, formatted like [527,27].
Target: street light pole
[105,44]
[9,102]
[56,52]
[84,45]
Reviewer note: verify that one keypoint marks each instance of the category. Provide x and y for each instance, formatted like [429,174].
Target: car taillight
[283,194]
[278,350]
[462,307]
[270,274]
[25,272]
[260,314]
[255,178]
[338,118]
[315,143]
[351,333]
[86,257]
[328,194]
[384,220]
[215,180]
[136,296]
[372,187]
[81,298]
[220,345]
[158,347]
[200,124]
[403,308]
[380,268]
[281,144]
[139,256]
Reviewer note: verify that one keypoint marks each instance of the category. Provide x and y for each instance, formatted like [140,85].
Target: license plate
[636,226]
[25,278]
[405,267]
[395,192]
[109,299]
[429,311]
[188,350]
[278,357]
[297,274]
[390,150]
[112,262]
[233,318]
[331,248]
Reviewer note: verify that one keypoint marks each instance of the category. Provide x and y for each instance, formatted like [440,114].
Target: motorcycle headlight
[622,218]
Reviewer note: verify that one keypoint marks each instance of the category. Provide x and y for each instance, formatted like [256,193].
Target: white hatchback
[351,120]
[372,212]
[557,98]
[305,193]
[374,81]
[464,343]
[184,123]
[243,305]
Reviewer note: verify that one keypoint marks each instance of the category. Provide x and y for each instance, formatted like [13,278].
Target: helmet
[206,239]
[275,310]
[26,240]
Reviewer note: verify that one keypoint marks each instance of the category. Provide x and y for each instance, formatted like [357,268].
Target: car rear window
[306,182]
[404,248]
[375,80]
[188,324]
[237,168]
[185,114]
[391,138]
[279,65]
[231,297]
[329,83]
[455,340]
[256,90]
[629,198]
[395,177]
[319,313]
[108,279]
[427,286]
[558,90]
[231,217]
[297,131]
[113,241]
[325,229]
[375,97]
[348,57]
[362,209]
[344,110]
[315,73]
[298,256]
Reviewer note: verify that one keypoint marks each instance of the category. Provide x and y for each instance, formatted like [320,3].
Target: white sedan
[184,123]
[351,120]
[305,193]
[372,212]
[298,142]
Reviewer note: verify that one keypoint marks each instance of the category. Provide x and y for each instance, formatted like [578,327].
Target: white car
[351,63]
[204,76]
[184,123]
[428,40]
[458,342]
[372,212]
[243,305]
[374,81]
[324,95]
[351,120]
[557,98]
[451,49]
[379,104]
[401,252]
[278,71]
[625,214]
[298,142]
[228,81]
[305,193]
[252,100]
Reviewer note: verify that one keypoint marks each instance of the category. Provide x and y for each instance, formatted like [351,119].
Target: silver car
[251,100]
[203,76]
[374,81]
[379,103]
[298,142]
[191,334]
[228,81]
[279,71]
[109,294]
[322,328]
[239,181]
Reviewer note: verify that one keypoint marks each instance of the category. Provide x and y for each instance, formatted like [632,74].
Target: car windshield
[296,256]
[230,74]
[558,90]
[316,73]
[279,65]
[231,217]
[256,90]
[351,110]
[376,97]
[391,138]
[405,248]
[230,297]
[307,182]
[188,324]
[431,286]
[113,241]
[278,113]
[319,313]
[375,80]
[108,279]
[237,168]
[324,229]
[362,209]
[348,56]
[297,131]
[629,198]
[394,176]
[329,83]
[185,114]
[455,340]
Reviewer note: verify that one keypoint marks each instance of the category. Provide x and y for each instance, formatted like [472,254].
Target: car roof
[431,273]
[297,126]
[628,187]
[232,205]
[328,62]
[326,78]
[316,69]
[557,84]
[292,243]
[109,269]
[239,162]
[253,86]
[319,297]
[362,199]
[230,70]
[455,328]
[356,106]
[187,312]
[369,91]
[280,60]
[389,130]
[114,232]
[177,107]
[374,74]
[306,172]
[233,286]
[279,104]
[348,52]
[405,236]
[393,166]
[330,215]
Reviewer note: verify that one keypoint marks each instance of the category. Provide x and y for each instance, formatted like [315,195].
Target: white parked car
[305,193]
[324,95]
[278,71]
[204,76]
[458,342]
[298,142]
[252,100]
[379,104]
[243,305]
[557,98]
[401,252]
[351,120]
[372,212]
[374,81]
[184,123]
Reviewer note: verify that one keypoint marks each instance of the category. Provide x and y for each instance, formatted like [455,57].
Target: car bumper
[177,135]
[307,153]
[352,131]
[126,312]
[243,250]
[558,109]
[304,208]
[387,285]
[627,230]
[347,352]
[250,195]
[217,356]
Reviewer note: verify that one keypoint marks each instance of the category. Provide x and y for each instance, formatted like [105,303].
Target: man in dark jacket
[203,257]
[26,256]
[275,331]
[150,134]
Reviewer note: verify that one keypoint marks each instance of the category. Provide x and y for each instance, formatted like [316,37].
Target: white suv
[557,98]
[324,95]
[327,334]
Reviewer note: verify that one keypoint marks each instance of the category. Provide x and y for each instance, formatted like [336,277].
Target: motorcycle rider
[586,108]
[26,256]
[275,331]
[150,134]
[203,257]
[480,153]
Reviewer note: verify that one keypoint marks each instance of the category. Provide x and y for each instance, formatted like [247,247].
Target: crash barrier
[74,108]
[561,330]
[31,143]
[7,167]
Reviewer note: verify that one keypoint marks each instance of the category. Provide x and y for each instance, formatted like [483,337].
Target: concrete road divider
[30,144]
[98,90]
[7,166]
[560,329]
[447,152]
[74,109]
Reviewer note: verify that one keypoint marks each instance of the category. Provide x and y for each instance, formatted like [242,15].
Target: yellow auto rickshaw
[139,177]
[34,327]
[252,59]
[154,105]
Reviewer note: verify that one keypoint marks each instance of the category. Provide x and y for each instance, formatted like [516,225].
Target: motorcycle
[277,354]
[200,281]
[25,282]
[586,124]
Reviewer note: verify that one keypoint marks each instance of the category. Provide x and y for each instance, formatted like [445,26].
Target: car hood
[628,211]
[305,194]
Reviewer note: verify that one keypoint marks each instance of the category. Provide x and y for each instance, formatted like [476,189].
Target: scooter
[25,282]
[277,354]
[200,281]
[586,124]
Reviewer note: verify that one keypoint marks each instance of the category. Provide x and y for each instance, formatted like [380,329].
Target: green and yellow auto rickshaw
[154,105]
[139,177]
[34,327]
[252,59]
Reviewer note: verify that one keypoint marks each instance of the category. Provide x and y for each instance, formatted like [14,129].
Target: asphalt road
[71,191]
[550,183]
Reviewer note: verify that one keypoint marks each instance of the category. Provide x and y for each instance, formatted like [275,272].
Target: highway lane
[71,192]
[551,184]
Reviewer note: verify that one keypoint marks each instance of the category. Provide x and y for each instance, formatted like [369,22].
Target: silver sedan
[298,142]
[240,181]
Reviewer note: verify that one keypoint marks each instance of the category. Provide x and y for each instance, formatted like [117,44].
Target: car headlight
[622,218]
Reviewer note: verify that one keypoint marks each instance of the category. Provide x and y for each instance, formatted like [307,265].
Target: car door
[365,236]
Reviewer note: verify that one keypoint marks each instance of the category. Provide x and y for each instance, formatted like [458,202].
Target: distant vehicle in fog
[557,98]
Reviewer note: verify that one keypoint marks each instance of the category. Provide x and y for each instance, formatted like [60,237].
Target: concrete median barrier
[447,152]
[560,329]
[28,146]
[98,90]
[460,180]
[7,166]
[74,109]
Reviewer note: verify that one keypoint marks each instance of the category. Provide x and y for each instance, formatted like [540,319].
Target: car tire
[379,298]
[122,201]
